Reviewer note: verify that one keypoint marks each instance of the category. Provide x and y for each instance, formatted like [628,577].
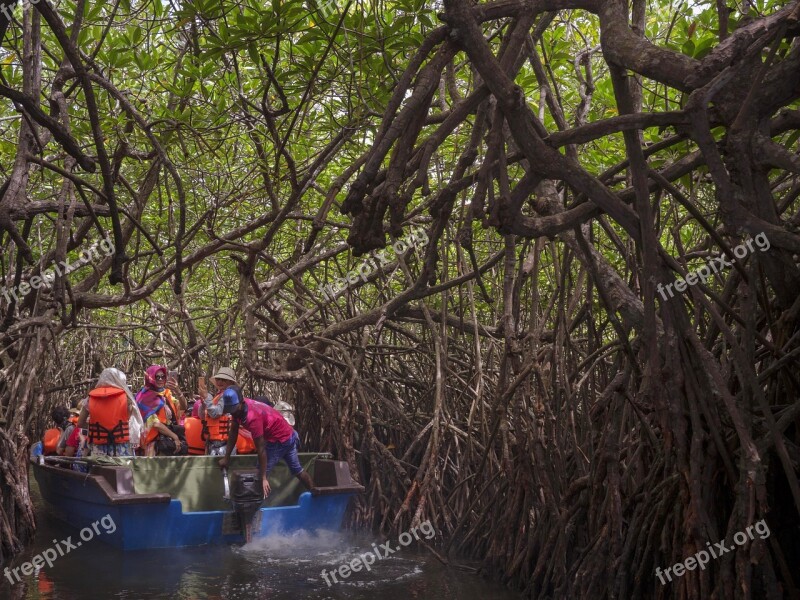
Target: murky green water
[274,568]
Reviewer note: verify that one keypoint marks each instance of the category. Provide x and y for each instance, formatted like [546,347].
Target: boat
[180,501]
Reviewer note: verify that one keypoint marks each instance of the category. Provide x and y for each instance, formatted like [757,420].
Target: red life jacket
[219,427]
[195,436]
[108,416]
[50,441]
[245,443]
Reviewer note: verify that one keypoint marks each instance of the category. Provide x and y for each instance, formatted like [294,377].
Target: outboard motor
[246,495]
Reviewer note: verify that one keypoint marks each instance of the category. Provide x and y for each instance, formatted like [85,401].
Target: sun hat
[225,373]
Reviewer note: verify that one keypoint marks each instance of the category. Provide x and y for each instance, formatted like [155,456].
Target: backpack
[165,446]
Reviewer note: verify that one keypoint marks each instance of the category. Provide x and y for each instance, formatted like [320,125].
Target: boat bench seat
[117,484]
[333,477]
[119,478]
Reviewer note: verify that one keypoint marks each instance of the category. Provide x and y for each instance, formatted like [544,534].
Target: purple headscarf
[150,398]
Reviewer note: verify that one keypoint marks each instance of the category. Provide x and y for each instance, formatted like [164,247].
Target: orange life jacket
[245,443]
[195,436]
[108,416]
[50,441]
[162,416]
[218,428]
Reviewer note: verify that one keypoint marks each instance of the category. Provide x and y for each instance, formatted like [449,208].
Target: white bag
[135,425]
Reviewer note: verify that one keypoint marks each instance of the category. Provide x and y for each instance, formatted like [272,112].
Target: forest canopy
[577,375]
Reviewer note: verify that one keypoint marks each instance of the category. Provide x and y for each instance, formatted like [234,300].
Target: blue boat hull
[144,521]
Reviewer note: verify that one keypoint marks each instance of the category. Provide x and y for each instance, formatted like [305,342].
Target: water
[274,568]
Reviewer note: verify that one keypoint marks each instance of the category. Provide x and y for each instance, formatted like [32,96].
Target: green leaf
[252,50]
[136,36]
[704,47]
[94,11]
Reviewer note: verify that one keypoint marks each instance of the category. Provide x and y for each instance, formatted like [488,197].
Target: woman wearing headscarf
[158,409]
[112,415]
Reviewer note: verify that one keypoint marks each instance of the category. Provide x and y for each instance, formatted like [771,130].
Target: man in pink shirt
[274,438]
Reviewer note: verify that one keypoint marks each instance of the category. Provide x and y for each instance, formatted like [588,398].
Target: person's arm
[233,433]
[62,440]
[177,394]
[83,418]
[213,410]
[73,441]
[262,463]
[172,406]
[161,428]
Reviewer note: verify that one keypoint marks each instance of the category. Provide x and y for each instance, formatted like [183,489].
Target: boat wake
[306,554]
[296,544]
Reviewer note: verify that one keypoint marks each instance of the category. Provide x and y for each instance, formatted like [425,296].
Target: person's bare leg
[306,479]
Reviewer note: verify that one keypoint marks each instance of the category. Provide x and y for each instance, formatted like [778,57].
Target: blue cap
[231,398]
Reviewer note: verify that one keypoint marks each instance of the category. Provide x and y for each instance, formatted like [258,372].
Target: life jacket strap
[97,432]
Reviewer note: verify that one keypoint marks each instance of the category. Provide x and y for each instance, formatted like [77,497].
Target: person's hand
[223,463]
[265,485]
[173,387]
[177,441]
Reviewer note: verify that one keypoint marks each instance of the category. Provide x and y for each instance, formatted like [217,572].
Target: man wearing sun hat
[218,425]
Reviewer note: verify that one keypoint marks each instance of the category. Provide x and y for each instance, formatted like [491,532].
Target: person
[198,433]
[282,407]
[72,422]
[272,435]
[111,413]
[211,413]
[195,407]
[75,447]
[60,416]
[74,444]
[158,411]
[195,427]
